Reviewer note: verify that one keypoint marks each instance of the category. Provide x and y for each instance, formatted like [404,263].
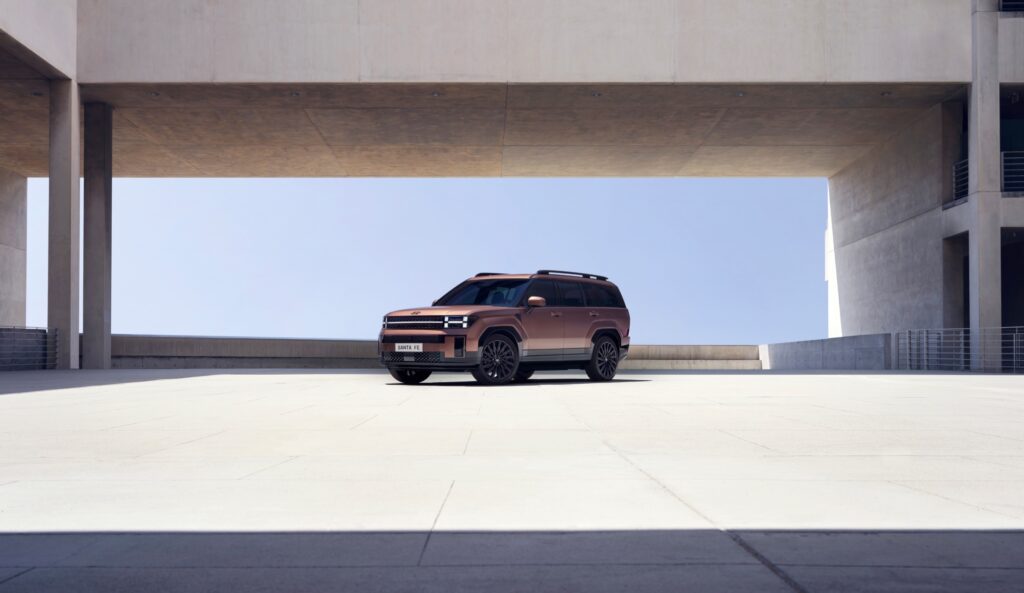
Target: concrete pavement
[297,480]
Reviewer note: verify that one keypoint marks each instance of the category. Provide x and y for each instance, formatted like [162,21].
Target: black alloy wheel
[499,361]
[604,361]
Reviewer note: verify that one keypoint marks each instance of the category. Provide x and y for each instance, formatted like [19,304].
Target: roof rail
[565,273]
[489,274]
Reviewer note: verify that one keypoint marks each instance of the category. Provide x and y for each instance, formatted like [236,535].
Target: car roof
[493,275]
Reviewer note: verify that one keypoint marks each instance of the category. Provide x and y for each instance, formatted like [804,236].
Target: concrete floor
[335,481]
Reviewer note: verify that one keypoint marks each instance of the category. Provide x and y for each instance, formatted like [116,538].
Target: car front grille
[426,322]
[414,339]
[412,356]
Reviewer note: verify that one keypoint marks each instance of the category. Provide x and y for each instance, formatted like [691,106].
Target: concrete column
[984,234]
[983,124]
[65,169]
[12,248]
[98,191]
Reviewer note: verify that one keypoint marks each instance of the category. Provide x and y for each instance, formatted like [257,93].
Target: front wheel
[499,361]
[523,374]
[604,361]
[409,376]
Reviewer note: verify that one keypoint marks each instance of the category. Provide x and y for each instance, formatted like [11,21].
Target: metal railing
[1011,5]
[27,348]
[960,179]
[1000,350]
[1013,171]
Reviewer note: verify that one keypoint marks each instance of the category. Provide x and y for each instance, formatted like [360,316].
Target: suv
[503,327]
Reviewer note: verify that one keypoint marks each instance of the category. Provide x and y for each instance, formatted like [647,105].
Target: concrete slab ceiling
[475,130]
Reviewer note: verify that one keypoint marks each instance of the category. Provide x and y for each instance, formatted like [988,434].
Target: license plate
[408,347]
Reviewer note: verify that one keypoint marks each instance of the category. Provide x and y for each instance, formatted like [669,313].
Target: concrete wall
[1011,49]
[852,353]
[886,229]
[138,351]
[13,222]
[135,351]
[46,27]
[524,41]
[692,358]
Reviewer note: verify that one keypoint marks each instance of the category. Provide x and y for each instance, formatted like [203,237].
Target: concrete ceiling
[454,130]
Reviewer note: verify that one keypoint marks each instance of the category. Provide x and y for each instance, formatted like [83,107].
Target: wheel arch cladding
[501,329]
[611,333]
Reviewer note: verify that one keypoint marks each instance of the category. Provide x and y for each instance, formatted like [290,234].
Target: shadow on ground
[531,561]
[534,381]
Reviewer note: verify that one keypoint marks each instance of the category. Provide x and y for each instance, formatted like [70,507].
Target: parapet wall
[136,351]
[188,352]
[852,353]
[871,352]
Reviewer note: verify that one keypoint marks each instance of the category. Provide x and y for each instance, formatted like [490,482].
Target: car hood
[454,310]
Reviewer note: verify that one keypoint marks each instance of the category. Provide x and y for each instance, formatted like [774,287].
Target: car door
[604,305]
[577,319]
[543,325]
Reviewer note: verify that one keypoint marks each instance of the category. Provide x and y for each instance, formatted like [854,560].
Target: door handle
[553,314]
[595,314]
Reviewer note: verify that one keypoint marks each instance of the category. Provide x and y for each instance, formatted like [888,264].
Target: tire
[409,376]
[604,361]
[523,374]
[499,361]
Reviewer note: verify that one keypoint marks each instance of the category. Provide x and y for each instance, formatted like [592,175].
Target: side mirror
[536,301]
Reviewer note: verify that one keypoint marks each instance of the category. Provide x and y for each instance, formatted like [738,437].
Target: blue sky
[699,261]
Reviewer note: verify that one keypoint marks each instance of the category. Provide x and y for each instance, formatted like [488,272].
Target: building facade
[911,108]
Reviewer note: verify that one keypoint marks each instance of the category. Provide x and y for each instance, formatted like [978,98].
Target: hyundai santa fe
[503,327]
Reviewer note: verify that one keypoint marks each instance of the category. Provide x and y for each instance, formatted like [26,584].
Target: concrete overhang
[476,130]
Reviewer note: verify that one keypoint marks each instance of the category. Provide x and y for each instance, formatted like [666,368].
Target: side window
[598,296]
[616,297]
[572,294]
[543,288]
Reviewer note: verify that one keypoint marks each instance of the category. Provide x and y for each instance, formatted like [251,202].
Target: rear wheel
[409,376]
[523,374]
[604,361]
[499,361]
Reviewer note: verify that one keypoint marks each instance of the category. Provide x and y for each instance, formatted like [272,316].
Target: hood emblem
[414,313]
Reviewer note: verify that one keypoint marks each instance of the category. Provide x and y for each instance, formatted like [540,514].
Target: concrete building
[911,108]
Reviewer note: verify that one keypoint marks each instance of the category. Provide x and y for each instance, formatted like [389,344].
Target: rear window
[599,295]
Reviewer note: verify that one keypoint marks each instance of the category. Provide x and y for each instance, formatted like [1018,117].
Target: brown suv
[503,327]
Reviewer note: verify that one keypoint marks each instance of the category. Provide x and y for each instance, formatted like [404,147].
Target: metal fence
[1013,171]
[960,178]
[27,348]
[1000,350]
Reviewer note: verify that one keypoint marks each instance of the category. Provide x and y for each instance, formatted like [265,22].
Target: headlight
[457,321]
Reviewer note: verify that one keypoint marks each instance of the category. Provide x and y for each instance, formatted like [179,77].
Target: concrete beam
[65,165]
[97,240]
[12,248]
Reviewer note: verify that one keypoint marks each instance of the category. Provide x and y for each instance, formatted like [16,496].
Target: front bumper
[440,350]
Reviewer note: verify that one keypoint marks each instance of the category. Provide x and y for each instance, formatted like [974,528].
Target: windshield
[497,293]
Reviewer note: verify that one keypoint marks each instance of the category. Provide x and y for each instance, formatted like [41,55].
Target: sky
[698,261]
